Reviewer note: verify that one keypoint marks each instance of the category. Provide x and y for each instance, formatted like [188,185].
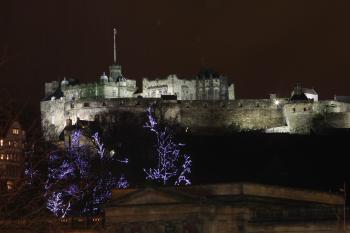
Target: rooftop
[240,189]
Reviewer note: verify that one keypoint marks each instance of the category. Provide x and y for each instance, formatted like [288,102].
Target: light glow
[81,179]
[171,165]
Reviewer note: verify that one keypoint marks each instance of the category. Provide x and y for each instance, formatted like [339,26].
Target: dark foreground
[313,161]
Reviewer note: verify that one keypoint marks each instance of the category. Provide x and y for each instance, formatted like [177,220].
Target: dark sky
[263,46]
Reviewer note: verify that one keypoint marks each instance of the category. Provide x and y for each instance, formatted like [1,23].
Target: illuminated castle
[202,104]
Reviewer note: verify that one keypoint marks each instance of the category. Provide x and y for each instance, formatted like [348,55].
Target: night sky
[262,46]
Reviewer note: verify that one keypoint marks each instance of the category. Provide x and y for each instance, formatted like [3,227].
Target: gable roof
[216,192]
[298,97]
[150,196]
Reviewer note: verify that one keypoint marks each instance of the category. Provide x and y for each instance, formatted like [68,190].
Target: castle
[214,109]
[204,103]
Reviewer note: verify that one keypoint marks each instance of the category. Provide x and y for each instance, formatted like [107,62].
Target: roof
[5,126]
[298,94]
[309,91]
[57,94]
[298,97]
[217,191]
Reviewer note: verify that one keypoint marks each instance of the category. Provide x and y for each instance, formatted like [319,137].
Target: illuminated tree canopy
[172,166]
[81,178]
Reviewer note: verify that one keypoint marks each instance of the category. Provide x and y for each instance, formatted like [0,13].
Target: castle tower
[104,78]
[115,70]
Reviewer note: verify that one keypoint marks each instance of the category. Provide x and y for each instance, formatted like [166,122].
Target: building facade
[201,104]
[207,85]
[114,86]
[172,85]
[224,208]
[212,86]
[12,142]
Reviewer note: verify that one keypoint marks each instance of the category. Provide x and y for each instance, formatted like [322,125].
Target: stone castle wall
[239,115]
[201,116]
[305,117]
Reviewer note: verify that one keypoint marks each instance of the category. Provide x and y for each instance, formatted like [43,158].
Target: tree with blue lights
[172,166]
[81,178]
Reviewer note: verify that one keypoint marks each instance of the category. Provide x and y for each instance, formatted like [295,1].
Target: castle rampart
[198,116]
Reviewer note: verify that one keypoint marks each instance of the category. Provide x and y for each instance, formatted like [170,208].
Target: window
[10,185]
[7,157]
[9,143]
[86,104]
[15,144]
[2,157]
[15,131]
[1,142]
[153,93]
[216,94]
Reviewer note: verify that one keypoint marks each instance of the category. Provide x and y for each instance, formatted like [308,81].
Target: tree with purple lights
[172,166]
[81,178]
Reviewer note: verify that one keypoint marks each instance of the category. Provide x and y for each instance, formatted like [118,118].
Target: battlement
[203,115]
[241,103]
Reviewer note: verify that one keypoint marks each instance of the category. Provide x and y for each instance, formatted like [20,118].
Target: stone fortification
[201,116]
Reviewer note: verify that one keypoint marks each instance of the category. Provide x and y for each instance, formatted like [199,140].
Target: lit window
[15,131]
[15,144]
[9,143]
[1,142]
[53,120]
[2,156]
[10,185]
[7,157]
